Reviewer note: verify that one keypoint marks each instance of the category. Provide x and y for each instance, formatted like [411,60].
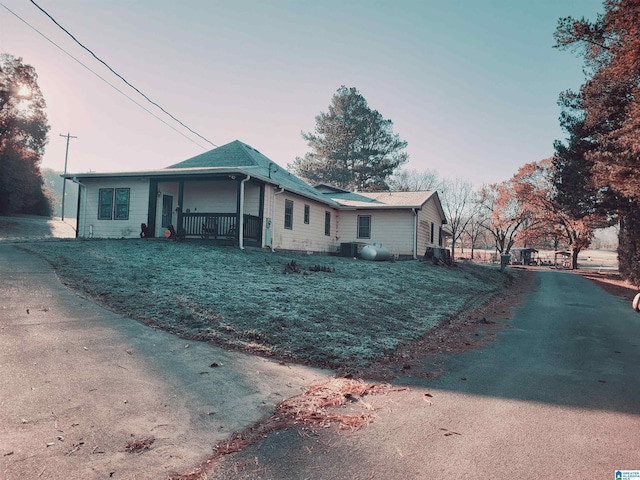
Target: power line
[117,74]
[68,136]
[99,76]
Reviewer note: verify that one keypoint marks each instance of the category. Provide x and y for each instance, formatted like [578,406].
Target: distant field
[588,259]
[606,259]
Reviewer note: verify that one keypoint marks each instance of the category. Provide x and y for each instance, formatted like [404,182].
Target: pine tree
[353,147]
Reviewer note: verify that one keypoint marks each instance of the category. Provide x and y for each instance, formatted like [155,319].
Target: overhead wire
[109,83]
[117,74]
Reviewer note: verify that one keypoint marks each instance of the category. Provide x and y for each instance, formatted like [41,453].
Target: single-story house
[234,195]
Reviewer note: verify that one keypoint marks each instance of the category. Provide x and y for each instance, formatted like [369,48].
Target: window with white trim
[327,223]
[113,203]
[288,214]
[364,226]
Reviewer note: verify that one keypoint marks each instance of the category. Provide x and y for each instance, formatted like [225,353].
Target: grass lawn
[347,316]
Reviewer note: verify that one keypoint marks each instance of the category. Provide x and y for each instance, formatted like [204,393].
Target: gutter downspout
[273,220]
[241,229]
[81,186]
[415,233]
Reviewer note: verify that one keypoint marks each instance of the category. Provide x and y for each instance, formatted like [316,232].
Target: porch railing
[220,226]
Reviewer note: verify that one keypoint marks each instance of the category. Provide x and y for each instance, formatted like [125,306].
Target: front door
[167,210]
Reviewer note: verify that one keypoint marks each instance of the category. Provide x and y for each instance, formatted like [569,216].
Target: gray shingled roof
[381,199]
[249,160]
[385,200]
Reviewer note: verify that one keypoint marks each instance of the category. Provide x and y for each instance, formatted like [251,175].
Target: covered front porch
[209,209]
[221,226]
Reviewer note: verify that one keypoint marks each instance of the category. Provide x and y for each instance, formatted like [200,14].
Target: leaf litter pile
[318,310]
[315,407]
[139,445]
[319,406]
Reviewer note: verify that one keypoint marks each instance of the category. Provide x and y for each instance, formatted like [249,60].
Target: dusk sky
[471,85]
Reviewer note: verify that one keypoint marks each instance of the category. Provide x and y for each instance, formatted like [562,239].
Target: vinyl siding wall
[218,197]
[392,229]
[303,237]
[429,214]
[138,208]
[210,197]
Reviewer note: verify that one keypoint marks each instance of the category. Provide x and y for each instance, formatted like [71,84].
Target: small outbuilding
[564,257]
[525,256]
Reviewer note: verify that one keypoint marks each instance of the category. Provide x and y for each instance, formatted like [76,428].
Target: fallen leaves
[314,407]
[139,445]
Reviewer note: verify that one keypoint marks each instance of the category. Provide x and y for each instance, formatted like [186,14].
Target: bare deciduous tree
[414,181]
[476,230]
[459,207]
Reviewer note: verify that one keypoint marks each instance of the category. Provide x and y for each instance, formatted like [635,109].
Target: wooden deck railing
[220,226]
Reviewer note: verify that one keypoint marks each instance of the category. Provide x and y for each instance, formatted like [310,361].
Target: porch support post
[238,211]
[180,201]
[241,208]
[415,233]
[261,213]
[153,205]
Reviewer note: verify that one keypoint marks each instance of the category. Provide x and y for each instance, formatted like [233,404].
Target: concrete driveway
[79,383]
[556,396]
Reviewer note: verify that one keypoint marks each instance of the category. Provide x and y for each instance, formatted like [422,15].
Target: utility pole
[64,180]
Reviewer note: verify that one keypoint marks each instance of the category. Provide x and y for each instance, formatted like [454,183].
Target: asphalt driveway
[556,396]
[80,384]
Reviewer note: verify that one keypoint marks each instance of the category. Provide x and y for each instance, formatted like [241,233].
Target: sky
[471,85]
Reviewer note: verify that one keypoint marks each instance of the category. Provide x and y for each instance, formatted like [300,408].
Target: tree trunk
[629,243]
[574,258]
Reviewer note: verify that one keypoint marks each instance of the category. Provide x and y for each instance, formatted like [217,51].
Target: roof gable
[250,161]
[234,154]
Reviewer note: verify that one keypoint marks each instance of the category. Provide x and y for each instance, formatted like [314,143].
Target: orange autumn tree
[526,208]
[505,212]
[535,188]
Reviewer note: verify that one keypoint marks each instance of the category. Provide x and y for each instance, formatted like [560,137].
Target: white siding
[428,215]
[392,229]
[304,237]
[138,208]
[210,197]
[214,196]
[251,199]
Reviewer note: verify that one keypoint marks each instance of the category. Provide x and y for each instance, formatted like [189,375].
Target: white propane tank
[376,253]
